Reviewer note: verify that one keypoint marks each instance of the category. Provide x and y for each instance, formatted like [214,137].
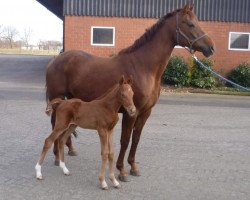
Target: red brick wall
[78,34]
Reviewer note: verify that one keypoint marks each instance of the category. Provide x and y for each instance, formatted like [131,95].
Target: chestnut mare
[100,115]
[79,74]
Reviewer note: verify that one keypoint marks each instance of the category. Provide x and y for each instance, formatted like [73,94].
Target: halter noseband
[190,41]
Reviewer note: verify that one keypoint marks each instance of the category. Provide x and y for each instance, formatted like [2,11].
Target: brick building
[104,27]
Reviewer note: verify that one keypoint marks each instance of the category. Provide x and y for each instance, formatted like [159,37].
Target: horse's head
[126,95]
[189,33]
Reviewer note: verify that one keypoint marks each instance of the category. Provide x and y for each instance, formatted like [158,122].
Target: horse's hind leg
[47,144]
[72,151]
[56,148]
[62,141]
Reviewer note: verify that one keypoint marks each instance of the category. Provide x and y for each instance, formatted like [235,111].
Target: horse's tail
[52,105]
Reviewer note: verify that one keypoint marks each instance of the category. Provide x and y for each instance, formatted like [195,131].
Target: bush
[201,77]
[176,72]
[241,74]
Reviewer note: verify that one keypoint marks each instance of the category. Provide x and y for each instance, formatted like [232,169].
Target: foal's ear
[130,80]
[122,80]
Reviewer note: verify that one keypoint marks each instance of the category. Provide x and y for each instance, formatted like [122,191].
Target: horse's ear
[191,7]
[130,80]
[122,80]
[186,8]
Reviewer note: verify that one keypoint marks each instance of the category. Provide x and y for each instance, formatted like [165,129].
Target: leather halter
[190,41]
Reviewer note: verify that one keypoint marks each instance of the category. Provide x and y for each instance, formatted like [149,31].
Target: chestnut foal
[100,114]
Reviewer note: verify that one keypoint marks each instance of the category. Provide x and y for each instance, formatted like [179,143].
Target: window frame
[236,49]
[102,27]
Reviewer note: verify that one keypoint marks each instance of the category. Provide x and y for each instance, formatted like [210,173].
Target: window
[239,41]
[102,36]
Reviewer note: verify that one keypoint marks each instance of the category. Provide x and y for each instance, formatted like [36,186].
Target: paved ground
[193,146]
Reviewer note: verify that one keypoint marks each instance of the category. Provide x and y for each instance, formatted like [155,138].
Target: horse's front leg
[127,126]
[139,124]
[111,161]
[103,135]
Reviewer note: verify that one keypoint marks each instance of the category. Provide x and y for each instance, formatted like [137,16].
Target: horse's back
[77,74]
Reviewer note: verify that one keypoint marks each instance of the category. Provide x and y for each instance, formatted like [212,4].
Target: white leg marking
[64,168]
[104,185]
[115,182]
[38,172]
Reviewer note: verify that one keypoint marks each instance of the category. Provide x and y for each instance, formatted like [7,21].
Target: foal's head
[126,95]
[190,34]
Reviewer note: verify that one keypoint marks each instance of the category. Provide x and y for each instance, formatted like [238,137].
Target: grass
[215,90]
[28,52]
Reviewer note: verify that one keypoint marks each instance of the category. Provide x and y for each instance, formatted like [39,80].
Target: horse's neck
[110,100]
[154,54]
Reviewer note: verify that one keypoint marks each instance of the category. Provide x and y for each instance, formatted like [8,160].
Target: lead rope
[218,75]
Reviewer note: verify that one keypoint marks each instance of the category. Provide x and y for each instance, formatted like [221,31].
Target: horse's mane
[108,91]
[148,35]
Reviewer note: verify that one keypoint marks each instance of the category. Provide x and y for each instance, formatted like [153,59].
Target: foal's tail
[52,105]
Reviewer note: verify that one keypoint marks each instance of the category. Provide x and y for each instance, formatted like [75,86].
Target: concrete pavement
[192,147]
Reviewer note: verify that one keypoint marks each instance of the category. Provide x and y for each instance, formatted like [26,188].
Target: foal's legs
[47,144]
[111,161]
[127,126]
[71,151]
[62,141]
[103,135]
[56,148]
[139,124]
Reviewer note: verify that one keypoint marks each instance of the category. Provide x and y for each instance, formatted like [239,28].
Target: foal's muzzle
[131,110]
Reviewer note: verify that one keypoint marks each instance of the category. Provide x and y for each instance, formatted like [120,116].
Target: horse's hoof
[123,178]
[56,162]
[67,173]
[135,173]
[104,185]
[105,188]
[117,186]
[39,177]
[72,153]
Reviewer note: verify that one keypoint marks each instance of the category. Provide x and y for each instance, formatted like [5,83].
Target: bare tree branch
[10,33]
[27,33]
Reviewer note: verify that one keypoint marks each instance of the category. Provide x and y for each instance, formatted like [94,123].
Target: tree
[10,33]
[1,31]
[26,37]
[50,45]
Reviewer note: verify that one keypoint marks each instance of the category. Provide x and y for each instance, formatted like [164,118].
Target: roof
[55,6]
[206,10]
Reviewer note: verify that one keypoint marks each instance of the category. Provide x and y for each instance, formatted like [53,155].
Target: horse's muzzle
[208,51]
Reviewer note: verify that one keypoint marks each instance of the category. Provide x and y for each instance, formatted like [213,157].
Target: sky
[25,14]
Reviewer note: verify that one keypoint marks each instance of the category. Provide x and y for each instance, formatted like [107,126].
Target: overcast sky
[23,14]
